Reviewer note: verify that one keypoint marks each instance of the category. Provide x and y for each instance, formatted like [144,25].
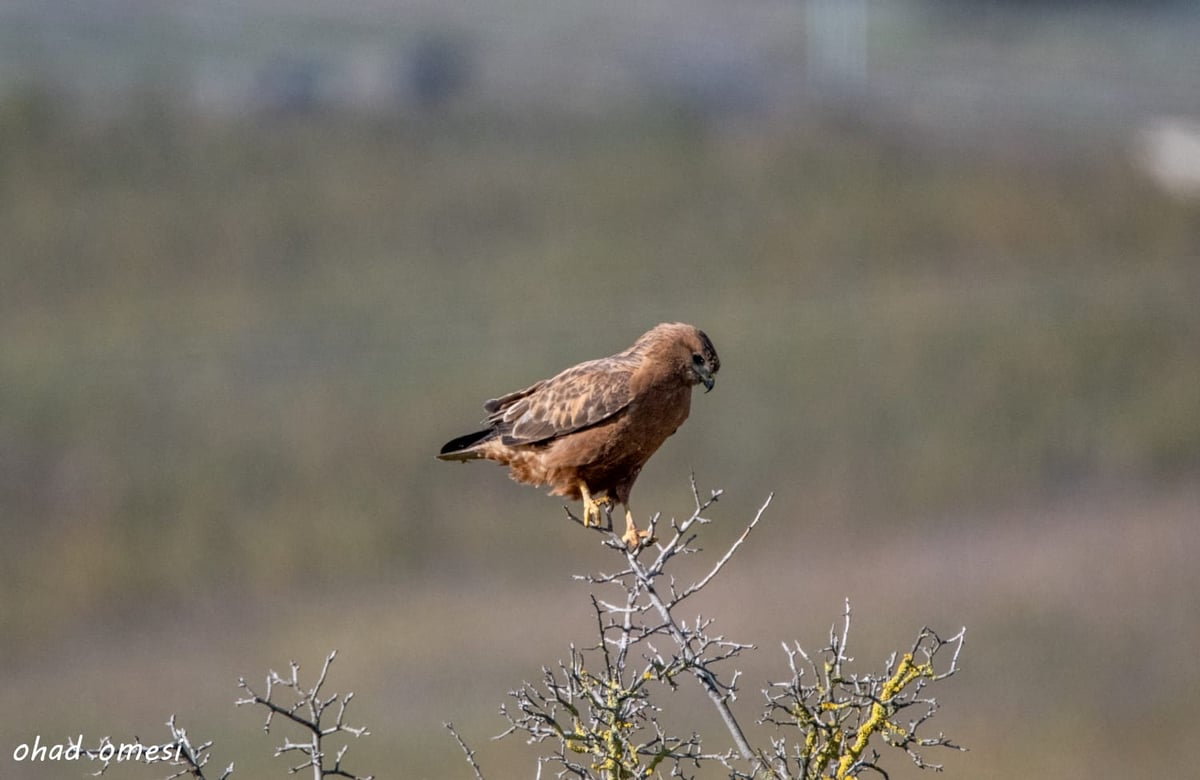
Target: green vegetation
[231,346]
[217,330]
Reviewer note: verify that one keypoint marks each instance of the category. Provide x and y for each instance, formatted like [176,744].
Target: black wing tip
[460,448]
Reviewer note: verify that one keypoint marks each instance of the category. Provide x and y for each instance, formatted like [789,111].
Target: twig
[308,712]
[470,753]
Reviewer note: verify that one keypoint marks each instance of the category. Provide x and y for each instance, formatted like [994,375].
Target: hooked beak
[706,377]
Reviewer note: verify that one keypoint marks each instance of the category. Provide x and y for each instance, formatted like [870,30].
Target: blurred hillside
[981,66]
[962,330]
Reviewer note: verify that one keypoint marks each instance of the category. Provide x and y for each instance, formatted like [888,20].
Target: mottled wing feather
[577,398]
[496,405]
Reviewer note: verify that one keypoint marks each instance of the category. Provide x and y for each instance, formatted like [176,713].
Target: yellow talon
[635,538]
[591,507]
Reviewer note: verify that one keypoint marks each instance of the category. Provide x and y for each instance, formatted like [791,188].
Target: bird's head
[691,351]
[705,363]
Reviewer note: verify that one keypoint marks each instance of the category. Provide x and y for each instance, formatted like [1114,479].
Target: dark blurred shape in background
[439,69]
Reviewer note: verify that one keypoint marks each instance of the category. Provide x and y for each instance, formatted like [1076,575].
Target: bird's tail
[461,448]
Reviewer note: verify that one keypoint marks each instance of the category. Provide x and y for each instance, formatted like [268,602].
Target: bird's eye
[697,358]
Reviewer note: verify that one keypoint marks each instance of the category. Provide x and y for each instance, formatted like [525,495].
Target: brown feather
[596,424]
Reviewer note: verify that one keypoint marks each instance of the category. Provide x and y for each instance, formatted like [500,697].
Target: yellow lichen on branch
[905,674]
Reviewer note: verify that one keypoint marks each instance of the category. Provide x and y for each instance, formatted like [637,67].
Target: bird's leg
[591,507]
[634,537]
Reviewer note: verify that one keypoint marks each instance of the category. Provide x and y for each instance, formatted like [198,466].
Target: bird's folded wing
[577,398]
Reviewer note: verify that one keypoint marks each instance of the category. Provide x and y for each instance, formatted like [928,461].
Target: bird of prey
[587,432]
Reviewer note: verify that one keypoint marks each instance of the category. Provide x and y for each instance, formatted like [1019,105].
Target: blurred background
[259,260]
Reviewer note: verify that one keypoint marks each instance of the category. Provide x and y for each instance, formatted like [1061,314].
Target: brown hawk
[588,431]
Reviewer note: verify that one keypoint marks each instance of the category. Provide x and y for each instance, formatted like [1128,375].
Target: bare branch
[599,710]
[310,711]
[470,753]
[729,553]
